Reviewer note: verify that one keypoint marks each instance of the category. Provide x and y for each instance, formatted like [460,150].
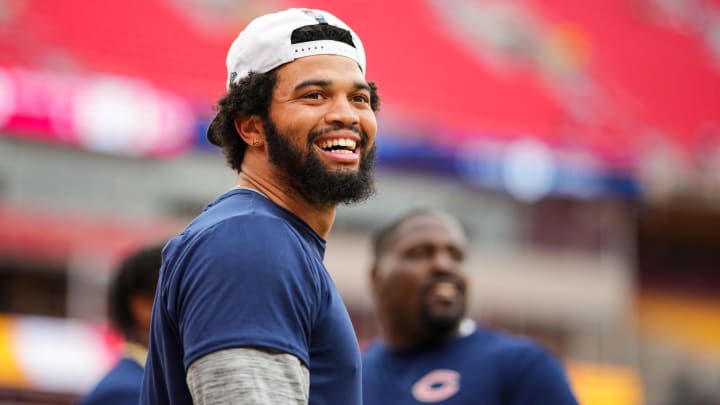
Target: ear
[141,308]
[375,278]
[250,129]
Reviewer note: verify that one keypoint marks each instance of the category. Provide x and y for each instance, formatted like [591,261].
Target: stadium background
[578,141]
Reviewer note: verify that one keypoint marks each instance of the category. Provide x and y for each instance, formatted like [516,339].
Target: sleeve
[540,380]
[245,283]
[255,376]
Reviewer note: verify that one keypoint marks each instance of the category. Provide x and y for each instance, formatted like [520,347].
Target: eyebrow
[327,83]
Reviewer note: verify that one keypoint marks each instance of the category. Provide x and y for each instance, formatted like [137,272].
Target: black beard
[309,177]
[437,329]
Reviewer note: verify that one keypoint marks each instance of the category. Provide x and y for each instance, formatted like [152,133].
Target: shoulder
[504,342]
[261,247]
[237,222]
[244,253]
[120,385]
[534,374]
[257,219]
[235,208]
[373,354]
[247,235]
[521,355]
[511,351]
[374,348]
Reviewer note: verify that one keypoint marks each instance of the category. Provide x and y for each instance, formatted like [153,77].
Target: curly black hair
[252,96]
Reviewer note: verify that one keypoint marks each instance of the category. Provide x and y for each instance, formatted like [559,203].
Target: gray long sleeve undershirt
[248,376]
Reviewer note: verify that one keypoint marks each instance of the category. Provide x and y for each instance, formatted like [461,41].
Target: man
[430,352]
[130,300]
[245,310]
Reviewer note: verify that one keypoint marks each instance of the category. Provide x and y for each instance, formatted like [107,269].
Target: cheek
[294,123]
[402,289]
[369,126]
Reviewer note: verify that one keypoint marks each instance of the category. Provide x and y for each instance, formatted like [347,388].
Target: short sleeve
[244,282]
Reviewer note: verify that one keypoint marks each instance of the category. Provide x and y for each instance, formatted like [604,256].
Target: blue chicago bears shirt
[244,273]
[482,368]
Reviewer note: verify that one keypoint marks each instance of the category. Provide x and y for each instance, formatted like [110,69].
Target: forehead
[334,68]
[430,228]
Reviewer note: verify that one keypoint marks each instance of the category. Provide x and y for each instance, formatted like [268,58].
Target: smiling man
[430,353]
[245,310]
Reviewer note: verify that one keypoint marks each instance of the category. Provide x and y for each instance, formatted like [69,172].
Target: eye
[457,254]
[314,95]
[419,252]
[361,98]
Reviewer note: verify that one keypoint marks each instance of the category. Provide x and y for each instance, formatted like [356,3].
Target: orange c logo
[436,386]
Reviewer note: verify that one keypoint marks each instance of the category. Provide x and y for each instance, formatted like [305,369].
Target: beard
[308,176]
[425,327]
[438,326]
[440,323]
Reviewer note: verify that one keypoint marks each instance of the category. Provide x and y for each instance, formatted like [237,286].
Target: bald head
[385,235]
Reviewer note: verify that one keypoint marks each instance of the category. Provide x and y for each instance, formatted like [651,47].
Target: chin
[444,322]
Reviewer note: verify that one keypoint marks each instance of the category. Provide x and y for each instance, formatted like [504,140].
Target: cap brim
[213,132]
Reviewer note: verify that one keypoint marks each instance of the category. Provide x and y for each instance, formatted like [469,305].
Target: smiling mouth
[339,145]
[445,291]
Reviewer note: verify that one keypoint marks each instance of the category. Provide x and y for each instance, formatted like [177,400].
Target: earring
[255,142]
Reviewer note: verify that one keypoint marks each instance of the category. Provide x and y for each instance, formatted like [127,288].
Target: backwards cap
[265,44]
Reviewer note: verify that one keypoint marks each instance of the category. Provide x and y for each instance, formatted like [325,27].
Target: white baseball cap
[266,44]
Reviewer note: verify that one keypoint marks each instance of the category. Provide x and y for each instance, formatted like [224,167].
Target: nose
[444,263]
[342,112]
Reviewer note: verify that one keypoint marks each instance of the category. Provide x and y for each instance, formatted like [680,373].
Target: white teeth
[349,144]
[445,289]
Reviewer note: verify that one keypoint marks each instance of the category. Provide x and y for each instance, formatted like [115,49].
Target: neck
[399,337]
[136,351]
[319,218]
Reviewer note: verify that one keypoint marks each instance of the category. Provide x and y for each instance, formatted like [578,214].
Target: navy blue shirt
[120,386]
[482,368]
[248,273]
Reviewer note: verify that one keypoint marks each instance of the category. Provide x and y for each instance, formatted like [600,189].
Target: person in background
[246,312]
[429,351]
[130,301]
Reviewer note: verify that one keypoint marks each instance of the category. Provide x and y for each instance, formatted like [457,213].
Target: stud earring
[255,142]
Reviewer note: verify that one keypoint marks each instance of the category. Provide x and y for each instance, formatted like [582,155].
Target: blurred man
[246,312]
[430,352]
[130,301]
